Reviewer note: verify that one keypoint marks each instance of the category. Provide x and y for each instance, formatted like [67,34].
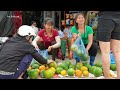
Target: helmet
[26,30]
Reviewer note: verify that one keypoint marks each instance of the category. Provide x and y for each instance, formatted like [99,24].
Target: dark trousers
[53,52]
[63,46]
[22,67]
[92,52]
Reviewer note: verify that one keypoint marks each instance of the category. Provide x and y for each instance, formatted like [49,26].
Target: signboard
[76,11]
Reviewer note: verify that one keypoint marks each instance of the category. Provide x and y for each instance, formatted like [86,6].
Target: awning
[6,23]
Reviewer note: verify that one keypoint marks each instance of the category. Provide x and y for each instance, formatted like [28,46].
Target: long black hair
[76,24]
[48,20]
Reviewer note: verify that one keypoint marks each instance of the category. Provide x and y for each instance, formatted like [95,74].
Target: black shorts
[108,28]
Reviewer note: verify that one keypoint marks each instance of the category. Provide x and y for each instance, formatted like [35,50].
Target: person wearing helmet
[17,52]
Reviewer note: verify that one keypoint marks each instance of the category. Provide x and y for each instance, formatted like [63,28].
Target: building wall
[55,15]
[40,16]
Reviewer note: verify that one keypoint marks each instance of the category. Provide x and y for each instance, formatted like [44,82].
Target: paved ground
[98,58]
[91,76]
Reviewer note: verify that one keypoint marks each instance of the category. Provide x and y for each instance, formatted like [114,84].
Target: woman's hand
[35,45]
[49,61]
[75,36]
[49,48]
[87,50]
[78,34]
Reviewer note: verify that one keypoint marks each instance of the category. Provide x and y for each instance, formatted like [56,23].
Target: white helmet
[26,30]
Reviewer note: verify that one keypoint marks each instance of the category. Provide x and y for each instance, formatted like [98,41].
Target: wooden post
[59,20]
[64,15]
[87,18]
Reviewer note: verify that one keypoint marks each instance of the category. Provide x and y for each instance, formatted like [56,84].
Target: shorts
[23,66]
[108,29]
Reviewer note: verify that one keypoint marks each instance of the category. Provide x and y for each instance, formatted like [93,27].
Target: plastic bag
[79,43]
[79,51]
[61,34]
[44,53]
[34,61]
[68,33]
